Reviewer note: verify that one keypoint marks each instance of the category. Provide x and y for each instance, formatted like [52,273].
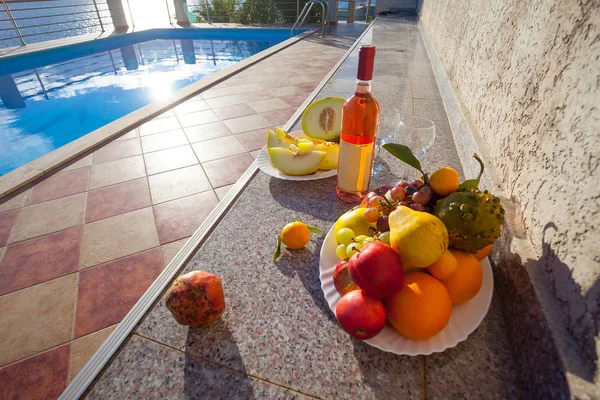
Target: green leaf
[313,229]
[278,249]
[469,184]
[404,154]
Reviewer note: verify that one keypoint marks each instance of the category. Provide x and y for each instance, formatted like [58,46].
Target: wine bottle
[360,116]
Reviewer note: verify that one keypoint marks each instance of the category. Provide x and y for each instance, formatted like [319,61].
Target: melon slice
[274,141]
[322,119]
[296,163]
[333,154]
[291,139]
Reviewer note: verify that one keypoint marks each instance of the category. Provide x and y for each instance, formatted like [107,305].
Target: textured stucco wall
[527,75]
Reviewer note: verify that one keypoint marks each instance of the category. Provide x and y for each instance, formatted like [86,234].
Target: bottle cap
[366,58]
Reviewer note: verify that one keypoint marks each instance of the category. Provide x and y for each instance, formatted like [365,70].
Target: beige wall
[527,75]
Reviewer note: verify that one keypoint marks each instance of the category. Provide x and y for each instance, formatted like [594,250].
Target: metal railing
[22,23]
[306,10]
[250,11]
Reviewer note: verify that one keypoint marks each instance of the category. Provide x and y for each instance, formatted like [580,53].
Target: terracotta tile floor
[80,247]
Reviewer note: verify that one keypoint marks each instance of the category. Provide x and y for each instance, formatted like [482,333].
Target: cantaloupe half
[299,163]
[322,119]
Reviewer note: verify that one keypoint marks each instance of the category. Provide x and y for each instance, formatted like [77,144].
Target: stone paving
[78,249]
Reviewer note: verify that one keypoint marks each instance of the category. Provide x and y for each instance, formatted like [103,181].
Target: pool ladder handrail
[306,9]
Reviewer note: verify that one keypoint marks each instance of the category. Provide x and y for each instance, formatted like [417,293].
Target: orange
[483,253]
[295,235]
[421,309]
[465,284]
[445,267]
[444,181]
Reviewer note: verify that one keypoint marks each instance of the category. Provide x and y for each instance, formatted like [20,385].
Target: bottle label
[355,165]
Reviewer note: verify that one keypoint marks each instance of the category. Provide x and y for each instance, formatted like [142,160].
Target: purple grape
[417,207]
[410,190]
[417,183]
[421,197]
[403,184]
[383,224]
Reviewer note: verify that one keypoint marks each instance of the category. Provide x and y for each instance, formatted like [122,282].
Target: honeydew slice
[296,163]
[291,139]
[274,141]
[322,119]
[332,157]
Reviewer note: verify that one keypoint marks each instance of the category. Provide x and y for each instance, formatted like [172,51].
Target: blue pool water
[88,85]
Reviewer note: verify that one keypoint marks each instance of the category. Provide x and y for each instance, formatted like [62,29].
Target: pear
[419,237]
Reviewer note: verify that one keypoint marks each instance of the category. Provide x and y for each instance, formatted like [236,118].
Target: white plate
[264,163]
[465,317]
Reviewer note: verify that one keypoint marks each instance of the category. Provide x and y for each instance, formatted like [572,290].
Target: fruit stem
[480,164]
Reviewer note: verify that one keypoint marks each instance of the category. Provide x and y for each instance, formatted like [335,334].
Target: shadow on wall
[582,320]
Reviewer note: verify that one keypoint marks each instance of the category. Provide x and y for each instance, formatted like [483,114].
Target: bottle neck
[362,87]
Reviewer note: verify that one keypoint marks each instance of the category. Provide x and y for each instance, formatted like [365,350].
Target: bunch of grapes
[416,194]
[349,243]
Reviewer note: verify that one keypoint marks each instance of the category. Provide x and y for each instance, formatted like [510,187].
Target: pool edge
[103,355]
[48,163]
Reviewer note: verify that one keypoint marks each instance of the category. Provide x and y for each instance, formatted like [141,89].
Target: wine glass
[389,124]
[418,134]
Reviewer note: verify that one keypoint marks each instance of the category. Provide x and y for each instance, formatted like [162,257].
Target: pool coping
[94,366]
[48,163]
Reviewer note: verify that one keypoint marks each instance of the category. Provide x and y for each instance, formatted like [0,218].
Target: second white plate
[264,163]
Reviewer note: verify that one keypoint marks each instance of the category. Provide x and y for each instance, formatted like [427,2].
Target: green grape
[352,248]
[340,252]
[345,236]
[360,238]
[385,237]
[368,239]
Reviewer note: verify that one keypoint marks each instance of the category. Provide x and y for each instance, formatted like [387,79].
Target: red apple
[341,278]
[377,270]
[360,315]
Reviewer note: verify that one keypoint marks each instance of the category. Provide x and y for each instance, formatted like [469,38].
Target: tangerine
[421,309]
[295,235]
[445,267]
[444,181]
[483,253]
[466,282]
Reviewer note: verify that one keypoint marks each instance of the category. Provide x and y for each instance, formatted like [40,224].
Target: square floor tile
[117,150]
[216,92]
[80,163]
[60,185]
[40,317]
[247,87]
[117,171]
[43,376]
[117,199]
[166,114]
[115,237]
[286,91]
[268,105]
[249,123]
[227,170]
[237,110]
[7,223]
[164,140]
[191,106]
[279,117]
[13,201]
[295,100]
[179,183]
[159,125]
[180,218]
[198,118]
[39,260]
[171,249]
[48,217]
[169,159]
[307,86]
[214,130]
[222,191]
[107,292]
[83,349]
[218,148]
[225,101]
[253,140]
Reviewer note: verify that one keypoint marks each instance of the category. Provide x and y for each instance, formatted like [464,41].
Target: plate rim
[325,280]
[264,154]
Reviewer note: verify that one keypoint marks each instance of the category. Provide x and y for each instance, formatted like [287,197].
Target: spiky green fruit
[473,218]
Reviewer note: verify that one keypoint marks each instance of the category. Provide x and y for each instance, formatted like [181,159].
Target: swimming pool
[50,98]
